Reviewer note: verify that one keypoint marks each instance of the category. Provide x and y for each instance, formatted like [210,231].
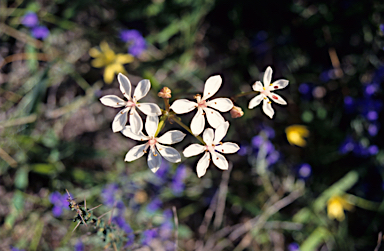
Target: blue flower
[163,171]
[306,90]
[382,27]
[136,40]
[108,194]
[154,205]
[148,236]
[347,146]
[373,129]
[293,247]
[177,185]
[166,227]
[30,19]
[304,171]
[60,202]
[16,249]
[349,104]
[79,246]
[40,32]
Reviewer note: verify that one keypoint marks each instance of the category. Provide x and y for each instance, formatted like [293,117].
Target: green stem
[243,94]
[178,121]
[162,122]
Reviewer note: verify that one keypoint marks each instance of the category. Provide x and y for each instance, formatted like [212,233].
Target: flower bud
[165,93]
[236,112]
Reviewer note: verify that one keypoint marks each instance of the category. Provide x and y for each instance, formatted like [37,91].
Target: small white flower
[213,147]
[154,159]
[149,109]
[265,93]
[214,118]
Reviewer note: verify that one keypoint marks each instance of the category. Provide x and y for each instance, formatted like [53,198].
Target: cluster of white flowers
[212,138]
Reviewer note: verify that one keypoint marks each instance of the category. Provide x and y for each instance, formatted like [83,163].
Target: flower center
[210,148]
[202,104]
[152,142]
[130,103]
[265,92]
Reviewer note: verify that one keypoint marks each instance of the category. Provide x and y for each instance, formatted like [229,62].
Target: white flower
[154,159]
[214,118]
[212,140]
[265,93]
[141,91]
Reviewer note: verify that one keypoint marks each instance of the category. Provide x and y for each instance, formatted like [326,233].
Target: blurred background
[311,178]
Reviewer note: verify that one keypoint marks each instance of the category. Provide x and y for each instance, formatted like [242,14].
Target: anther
[221,143]
[215,103]
[155,154]
[217,158]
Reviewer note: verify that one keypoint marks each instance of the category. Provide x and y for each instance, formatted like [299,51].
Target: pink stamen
[202,104]
[152,142]
[130,103]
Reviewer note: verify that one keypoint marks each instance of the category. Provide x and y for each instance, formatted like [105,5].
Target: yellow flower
[296,134]
[336,206]
[113,63]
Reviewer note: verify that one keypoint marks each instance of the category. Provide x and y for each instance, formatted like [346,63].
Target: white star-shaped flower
[213,147]
[149,109]
[214,118]
[266,93]
[154,158]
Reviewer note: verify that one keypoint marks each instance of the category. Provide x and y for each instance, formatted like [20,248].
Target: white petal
[257,86]
[255,101]
[181,106]
[277,99]
[208,136]
[112,101]
[193,150]
[220,132]
[202,165]
[151,124]
[169,153]
[227,147]
[154,160]
[149,109]
[127,132]
[198,122]
[214,117]
[171,137]
[125,85]
[120,120]
[212,85]
[278,84]
[219,160]
[142,89]
[221,104]
[135,121]
[135,152]
[267,108]
[267,76]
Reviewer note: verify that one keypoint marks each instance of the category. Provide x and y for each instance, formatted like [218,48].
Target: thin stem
[178,121]
[243,94]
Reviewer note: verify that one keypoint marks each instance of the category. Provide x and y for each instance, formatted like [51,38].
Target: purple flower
[167,226]
[154,205]
[257,141]
[306,90]
[372,115]
[347,146]
[373,150]
[163,171]
[244,149]
[136,40]
[16,249]
[148,236]
[304,171]
[349,104]
[293,247]
[30,19]
[108,194]
[40,32]
[122,224]
[79,246]
[373,129]
[382,27]
[59,203]
[370,89]
[177,185]
[273,157]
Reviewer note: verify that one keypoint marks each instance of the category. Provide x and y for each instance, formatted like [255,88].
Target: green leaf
[338,188]
[43,168]
[315,239]
[21,178]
